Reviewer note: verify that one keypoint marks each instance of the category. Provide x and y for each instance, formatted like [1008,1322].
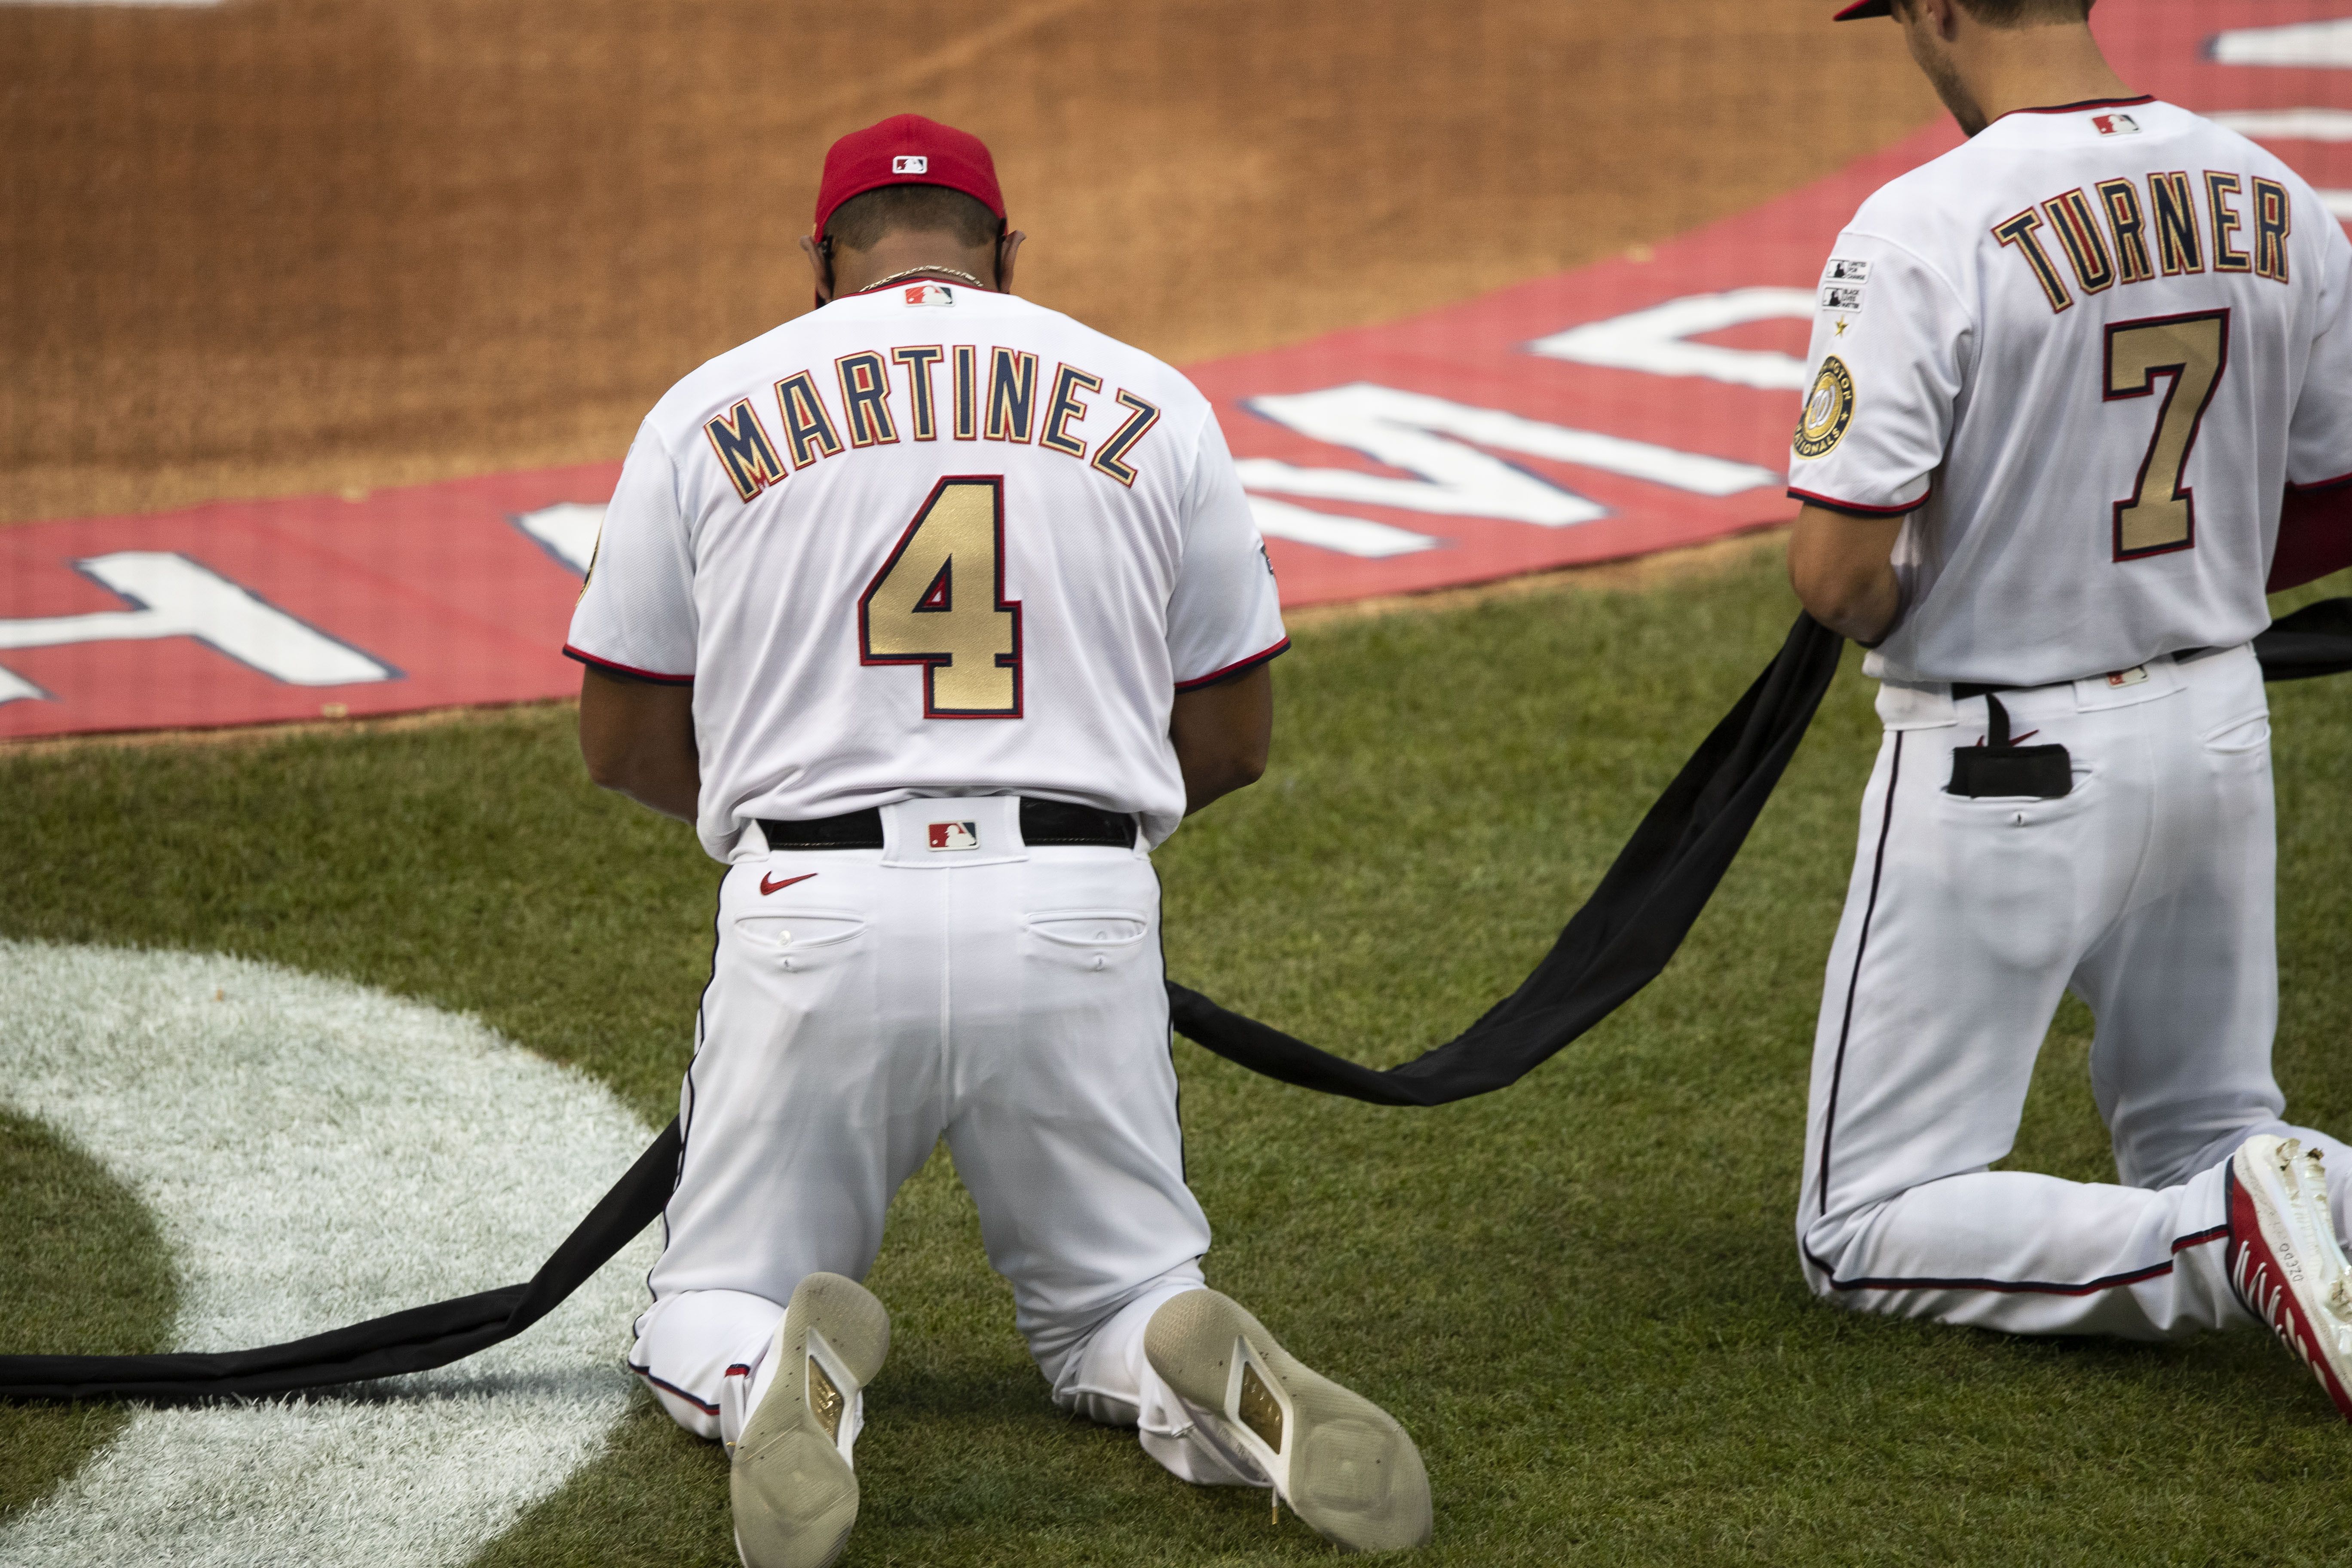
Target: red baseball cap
[1861,8]
[907,149]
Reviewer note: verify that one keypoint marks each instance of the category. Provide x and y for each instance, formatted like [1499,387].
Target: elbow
[1224,774]
[1824,593]
[1835,604]
[608,767]
[1850,603]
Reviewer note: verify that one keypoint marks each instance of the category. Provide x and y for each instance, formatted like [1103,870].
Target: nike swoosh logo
[777,884]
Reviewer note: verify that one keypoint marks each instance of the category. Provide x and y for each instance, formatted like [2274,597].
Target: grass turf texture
[1580,1295]
[82,1269]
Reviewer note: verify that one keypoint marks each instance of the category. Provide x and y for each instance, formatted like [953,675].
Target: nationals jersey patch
[1846,269]
[1840,297]
[1828,410]
[955,835]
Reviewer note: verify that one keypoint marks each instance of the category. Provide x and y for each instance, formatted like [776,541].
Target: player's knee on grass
[700,1353]
[1107,1379]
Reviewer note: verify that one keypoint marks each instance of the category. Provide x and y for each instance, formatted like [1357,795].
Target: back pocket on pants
[1087,939]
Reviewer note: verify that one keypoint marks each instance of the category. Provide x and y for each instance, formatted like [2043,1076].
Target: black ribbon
[1615,946]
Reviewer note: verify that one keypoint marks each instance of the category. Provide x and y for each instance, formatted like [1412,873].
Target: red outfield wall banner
[1625,408]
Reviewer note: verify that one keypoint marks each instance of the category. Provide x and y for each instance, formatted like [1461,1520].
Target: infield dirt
[290,245]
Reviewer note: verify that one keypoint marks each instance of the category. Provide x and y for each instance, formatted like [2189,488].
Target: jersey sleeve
[1225,615]
[635,616]
[2319,434]
[1891,342]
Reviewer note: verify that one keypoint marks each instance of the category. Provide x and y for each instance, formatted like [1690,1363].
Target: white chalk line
[315,1152]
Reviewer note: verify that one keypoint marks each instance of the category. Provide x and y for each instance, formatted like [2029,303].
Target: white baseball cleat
[794,1493]
[2285,1261]
[1341,1462]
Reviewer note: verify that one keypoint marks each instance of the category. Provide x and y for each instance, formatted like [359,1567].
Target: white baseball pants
[2148,891]
[864,1004]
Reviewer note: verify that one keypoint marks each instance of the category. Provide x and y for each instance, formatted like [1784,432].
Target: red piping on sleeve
[631,671]
[1239,667]
[1857,507]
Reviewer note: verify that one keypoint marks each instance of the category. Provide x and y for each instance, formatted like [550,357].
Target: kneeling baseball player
[2064,376]
[935,611]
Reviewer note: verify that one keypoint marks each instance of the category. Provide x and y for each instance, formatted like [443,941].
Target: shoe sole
[2285,1263]
[794,1492]
[1341,1462]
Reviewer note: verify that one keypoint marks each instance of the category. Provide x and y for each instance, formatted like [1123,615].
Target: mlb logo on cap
[955,835]
[881,154]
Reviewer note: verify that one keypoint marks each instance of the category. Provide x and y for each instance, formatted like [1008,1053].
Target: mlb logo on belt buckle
[2131,676]
[914,164]
[955,835]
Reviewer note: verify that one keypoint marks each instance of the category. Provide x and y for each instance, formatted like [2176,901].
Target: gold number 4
[940,602]
[2191,352]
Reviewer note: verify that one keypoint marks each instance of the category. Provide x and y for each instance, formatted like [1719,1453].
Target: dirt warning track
[280,247]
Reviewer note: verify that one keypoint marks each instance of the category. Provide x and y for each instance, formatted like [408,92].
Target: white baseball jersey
[930,540]
[2091,347]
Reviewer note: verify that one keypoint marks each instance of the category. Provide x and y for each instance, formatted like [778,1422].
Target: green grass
[1580,1295]
[81,1270]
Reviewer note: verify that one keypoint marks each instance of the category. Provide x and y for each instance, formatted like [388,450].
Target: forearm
[1209,781]
[1222,735]
[637,740]
[1864,611]
[1842,566]
[660,783]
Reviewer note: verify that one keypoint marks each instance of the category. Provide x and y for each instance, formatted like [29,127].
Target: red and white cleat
[2285,1260]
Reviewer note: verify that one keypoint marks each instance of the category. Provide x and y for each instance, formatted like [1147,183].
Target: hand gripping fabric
[1611,947]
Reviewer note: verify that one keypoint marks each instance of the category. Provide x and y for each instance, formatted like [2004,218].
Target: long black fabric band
[1611,947]
[1615,946]
[417,1340]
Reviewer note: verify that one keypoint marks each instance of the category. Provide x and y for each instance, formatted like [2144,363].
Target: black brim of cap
[1861,8]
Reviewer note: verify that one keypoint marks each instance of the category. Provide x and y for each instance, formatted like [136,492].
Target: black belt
[1964,689]
[1042,822]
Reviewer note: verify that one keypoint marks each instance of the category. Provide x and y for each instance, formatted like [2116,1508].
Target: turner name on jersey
[955,492]
[2183,231]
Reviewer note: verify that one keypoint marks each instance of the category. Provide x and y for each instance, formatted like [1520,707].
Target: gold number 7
[938,600]
[2191,352]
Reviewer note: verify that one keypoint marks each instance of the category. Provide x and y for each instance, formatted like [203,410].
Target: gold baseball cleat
[1341,1462]
[794,1491]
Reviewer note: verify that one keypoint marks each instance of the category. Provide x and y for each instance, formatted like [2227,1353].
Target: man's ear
[1006,249]
[820,268]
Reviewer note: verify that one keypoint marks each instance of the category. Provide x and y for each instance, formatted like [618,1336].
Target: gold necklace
[921,272]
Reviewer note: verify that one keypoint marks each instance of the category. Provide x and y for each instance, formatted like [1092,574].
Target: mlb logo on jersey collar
[2116,124]
[929,294]
[946,836]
